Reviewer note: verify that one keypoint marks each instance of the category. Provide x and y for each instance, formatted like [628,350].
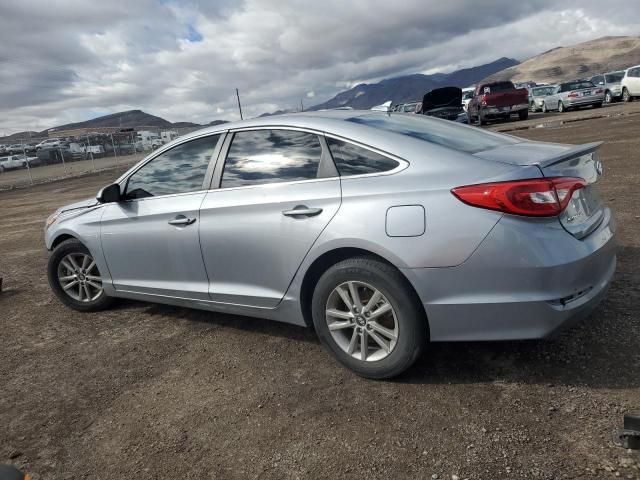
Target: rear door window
[353,160]
[260,157]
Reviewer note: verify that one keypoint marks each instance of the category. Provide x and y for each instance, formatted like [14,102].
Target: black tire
[561,107]
[413,330]
[480,121]
[523,114]
[597,105]
[607,97]
[67,247]
[626,97]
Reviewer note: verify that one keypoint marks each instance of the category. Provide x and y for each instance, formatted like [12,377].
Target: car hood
[86,203]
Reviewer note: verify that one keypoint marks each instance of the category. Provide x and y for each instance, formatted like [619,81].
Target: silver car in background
[574,94]
[537,96]
[383,231]
[610,82]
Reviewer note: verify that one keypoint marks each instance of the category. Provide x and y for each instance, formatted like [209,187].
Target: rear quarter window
[353,160]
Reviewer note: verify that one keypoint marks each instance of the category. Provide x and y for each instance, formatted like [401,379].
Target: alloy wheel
[362,321]
[79,277]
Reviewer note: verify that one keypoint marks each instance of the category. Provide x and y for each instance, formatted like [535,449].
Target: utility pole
[93,163]
[301,106]
[239,106]
[114,149]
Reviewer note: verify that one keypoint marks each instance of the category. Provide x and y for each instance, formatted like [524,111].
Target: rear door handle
[181,220]
[302,210]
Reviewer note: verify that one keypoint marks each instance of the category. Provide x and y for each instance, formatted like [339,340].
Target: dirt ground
[147,391]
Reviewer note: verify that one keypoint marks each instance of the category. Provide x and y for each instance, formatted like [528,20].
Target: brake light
[536,197]
[573,94]
[483,100]
[599,91]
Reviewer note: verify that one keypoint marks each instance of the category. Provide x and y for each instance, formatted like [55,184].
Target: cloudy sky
[70,60]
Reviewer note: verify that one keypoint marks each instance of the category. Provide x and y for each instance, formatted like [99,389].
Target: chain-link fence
[63,154]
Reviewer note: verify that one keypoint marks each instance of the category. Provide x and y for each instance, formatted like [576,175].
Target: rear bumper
[583,102]
[492,111]
[528,279]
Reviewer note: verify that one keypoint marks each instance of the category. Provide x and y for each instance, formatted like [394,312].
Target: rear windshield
[614,77]
[497,87]
[536,92]
[441,132]
[576,85]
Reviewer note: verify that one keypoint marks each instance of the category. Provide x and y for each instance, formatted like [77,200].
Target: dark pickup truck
[497,100]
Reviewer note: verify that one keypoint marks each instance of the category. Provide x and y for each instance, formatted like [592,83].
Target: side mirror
[109,194]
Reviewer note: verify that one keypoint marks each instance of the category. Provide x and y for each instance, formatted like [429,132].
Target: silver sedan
[382,231]
[579,93]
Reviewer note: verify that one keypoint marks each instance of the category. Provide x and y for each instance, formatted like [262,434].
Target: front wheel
[544,108]
[75,279]
[607,97]
[626,97]
[561,107]
[367,315]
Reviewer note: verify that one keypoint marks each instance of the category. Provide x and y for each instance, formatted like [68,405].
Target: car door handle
[302,210]
[182,220]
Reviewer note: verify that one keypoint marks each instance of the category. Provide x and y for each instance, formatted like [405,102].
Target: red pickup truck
[497,100]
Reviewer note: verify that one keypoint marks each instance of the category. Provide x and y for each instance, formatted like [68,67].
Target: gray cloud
[183,60]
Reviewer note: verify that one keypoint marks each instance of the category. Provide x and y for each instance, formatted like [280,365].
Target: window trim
[123,181]
[324,173]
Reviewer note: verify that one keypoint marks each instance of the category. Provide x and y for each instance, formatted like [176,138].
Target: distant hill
[411,87]
[576,61]
[127,119]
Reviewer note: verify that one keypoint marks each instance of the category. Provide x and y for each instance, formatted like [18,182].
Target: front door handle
[181,220]
[303,211]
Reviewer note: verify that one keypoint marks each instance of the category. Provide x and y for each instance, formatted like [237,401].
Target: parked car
[610,82]
[410,107]
[497,100]
[630,84]
[15,148]
[445,102]
[467,95]
[382,230]
[574,94]
[12,162]
[49,142]
[537,96]
[32,161]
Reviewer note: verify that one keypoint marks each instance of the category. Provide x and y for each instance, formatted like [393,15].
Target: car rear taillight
[537,197]
[573,95]
[483,100]
[599,91]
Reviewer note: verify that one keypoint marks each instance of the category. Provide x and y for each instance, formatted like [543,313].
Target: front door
[278,191]
[150,240]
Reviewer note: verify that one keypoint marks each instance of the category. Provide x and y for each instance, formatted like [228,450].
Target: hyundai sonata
[382,231]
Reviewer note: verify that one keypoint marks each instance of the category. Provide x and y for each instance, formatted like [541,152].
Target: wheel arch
[332,257]
[61,238]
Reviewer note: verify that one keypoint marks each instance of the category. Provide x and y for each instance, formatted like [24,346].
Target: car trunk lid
[585,210]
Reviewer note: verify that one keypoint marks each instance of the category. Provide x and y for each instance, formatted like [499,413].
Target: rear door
[278,189]
[633,82]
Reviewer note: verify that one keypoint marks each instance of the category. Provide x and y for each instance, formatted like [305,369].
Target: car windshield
[578,85]
[441,132]
[537,92]
[614,77]
[497,87]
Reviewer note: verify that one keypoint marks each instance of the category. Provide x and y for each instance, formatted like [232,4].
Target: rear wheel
[75,279]
[626,97]
[523,114]
[367,316]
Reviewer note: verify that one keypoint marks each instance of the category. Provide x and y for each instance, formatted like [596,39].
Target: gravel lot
[148,391]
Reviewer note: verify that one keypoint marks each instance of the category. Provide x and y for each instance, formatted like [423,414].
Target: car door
[275,192]
[633,84]
[150,239]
